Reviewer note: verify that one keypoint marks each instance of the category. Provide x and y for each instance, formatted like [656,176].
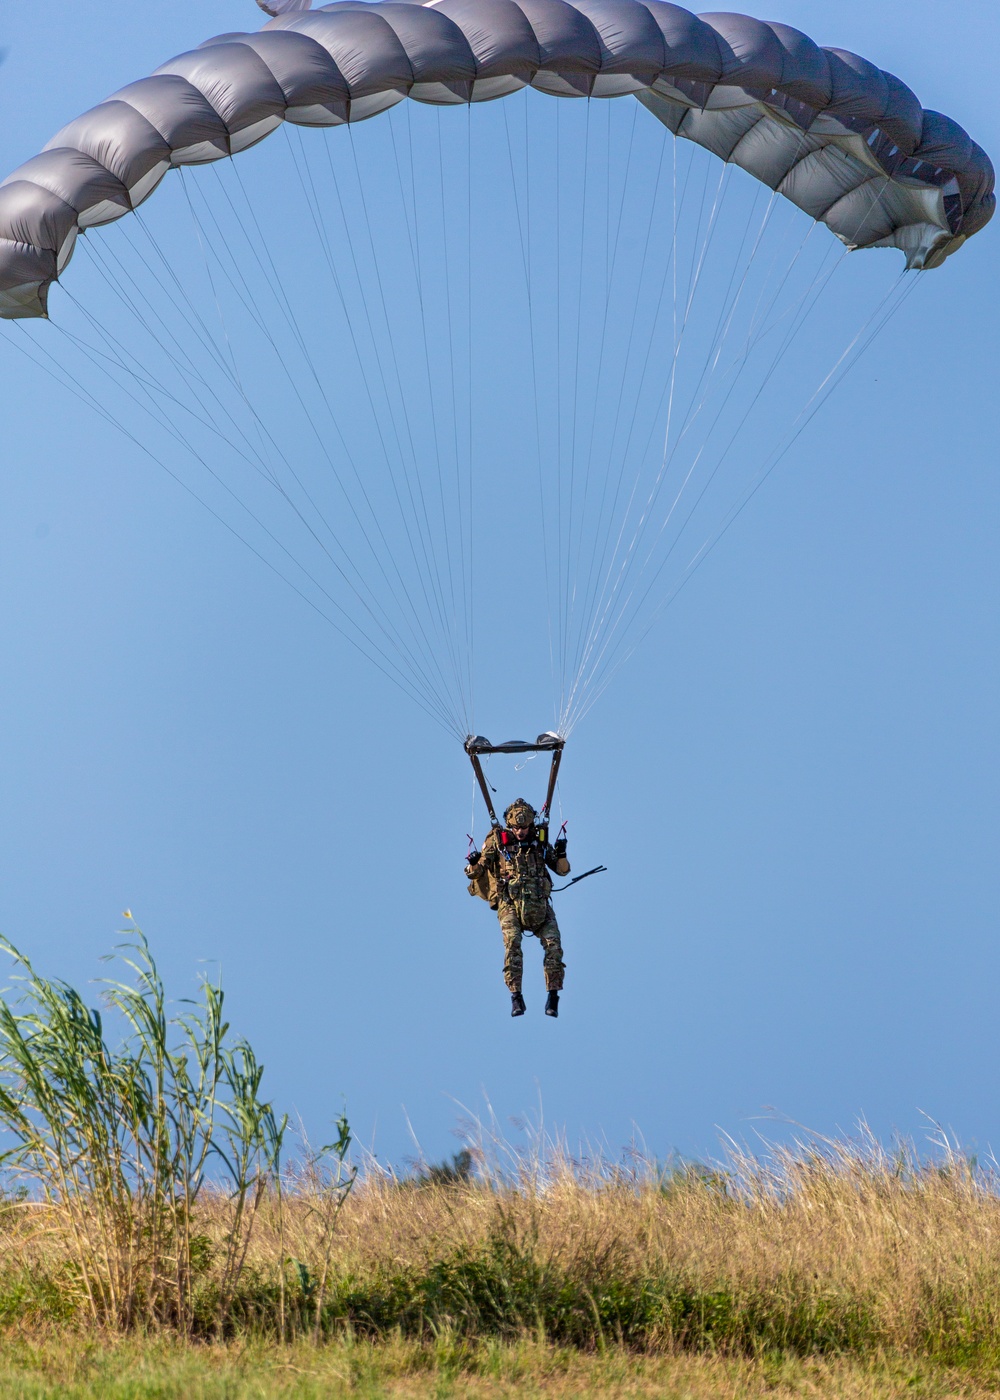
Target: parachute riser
[484,788]
[547,743]
[553,775]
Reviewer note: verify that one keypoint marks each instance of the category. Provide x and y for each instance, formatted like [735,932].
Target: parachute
[304,347]
[284,7]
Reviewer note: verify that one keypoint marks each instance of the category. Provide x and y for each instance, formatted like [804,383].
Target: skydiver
[511,873]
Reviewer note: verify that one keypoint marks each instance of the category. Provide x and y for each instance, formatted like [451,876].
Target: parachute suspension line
[276,285]
[620,626]
[611,264]
[368,603]
[608,275]
[152,386]
[452,377]
[659,438]
[855,349]
[470,472]
[431,662]
[601,534]
[427,566]
[429,652]
[412,475]
[670,269]
[159,332]
[415,624]
[252,304]
[807,301]
[270,273]
[149,405]
[705,384]
[121,359]
[178,297]
[416,258]
[560,553]
[173,431]
[182,303]
[707,378]
[694,280]
[695,272]
[733,303]
[524,238]
[602,531]
[575,400]
[699,257]
[580,514]
[235,375]
[44,360]
[897,294]
[724,323]
[822,281]
[152,391]
[566,504]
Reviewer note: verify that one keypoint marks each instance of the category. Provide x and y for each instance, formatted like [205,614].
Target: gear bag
[479,886]
[529,894]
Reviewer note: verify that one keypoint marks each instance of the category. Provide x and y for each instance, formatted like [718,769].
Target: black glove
[473,858]
[559,849]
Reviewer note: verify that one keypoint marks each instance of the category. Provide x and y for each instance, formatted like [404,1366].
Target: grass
[829,1251]
[163,1368]
[158,1238]
[110,1150]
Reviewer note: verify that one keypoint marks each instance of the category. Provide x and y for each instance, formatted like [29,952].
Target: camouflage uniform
[517,886]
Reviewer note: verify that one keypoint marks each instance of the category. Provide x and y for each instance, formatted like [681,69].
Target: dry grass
[830,1249]
[157,1202]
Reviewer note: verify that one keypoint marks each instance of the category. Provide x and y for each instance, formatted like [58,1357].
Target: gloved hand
[559,849]
[473,858]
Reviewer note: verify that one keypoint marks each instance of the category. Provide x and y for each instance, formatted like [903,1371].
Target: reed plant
[111,1149]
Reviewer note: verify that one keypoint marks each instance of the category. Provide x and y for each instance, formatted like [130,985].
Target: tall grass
[152,1184]
[822,1247]
[111,1149]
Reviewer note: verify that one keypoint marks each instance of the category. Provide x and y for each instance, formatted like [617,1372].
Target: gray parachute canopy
[284,7]
[845,141]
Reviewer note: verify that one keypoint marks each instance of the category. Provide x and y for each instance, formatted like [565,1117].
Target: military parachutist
[511,872]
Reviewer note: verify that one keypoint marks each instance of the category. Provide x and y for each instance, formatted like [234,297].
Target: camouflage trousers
[513,961]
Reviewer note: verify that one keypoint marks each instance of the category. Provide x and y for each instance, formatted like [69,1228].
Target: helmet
[519,813]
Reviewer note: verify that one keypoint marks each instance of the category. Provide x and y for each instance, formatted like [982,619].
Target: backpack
[479,887]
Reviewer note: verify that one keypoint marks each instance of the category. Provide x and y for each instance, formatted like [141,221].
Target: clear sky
[793,783]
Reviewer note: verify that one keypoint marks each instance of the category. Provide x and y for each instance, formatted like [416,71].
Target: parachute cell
[840,138]
[283,7]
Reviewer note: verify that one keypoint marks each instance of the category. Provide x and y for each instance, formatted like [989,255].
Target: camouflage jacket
[502,864]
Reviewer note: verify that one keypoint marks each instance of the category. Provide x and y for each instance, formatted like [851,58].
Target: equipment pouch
[479,886]
[530,898]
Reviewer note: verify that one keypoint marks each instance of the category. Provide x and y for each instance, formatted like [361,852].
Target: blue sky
[793,782]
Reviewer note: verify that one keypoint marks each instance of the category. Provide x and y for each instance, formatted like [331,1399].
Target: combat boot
[516,1004]
[552,1004]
